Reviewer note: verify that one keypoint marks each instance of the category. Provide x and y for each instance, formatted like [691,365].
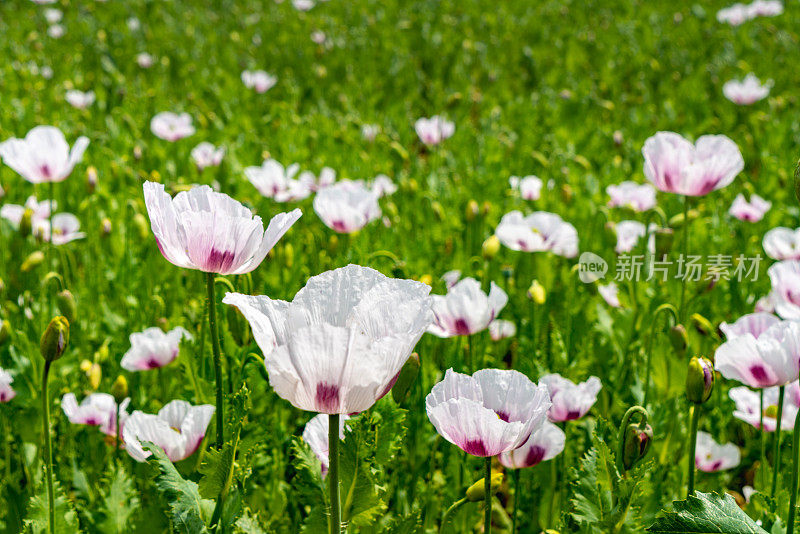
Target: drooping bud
[26,223]
[55,339]
[699,380]
[119,389]
[537,293]
[406,378]
[5,331]
[702,325]
[678,338]
[490,247]
[636,445]
[67,305]
[472,210]
[33,261]
[477,491]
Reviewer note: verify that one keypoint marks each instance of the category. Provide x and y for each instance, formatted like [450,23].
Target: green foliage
[36,521]
[706,513]
[120,501]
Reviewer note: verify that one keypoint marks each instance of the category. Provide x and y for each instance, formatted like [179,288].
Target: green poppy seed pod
[477,491]
[490,247]
[636,445]
[664,238]
[140,223]
[702,325]
[699,380]
[55,339]
[67,305]
[26,223]
[5,331]
[472,210]
[678,338]
[119,389]
[406,378]
[32,261]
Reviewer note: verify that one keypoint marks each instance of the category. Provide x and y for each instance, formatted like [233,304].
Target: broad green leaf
[706,513]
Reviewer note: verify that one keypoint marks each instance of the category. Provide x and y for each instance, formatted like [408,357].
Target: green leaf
[187,508]
[218,466]
[706,513]
[247,524]
[120,501]
[38,512]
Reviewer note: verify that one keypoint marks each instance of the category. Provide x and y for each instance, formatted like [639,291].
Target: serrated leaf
[38,512]
[187,508]
[247,524]
[120,501]
[706,513]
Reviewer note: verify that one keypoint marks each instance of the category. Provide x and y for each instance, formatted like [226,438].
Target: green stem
[776,460]
[118,432]
[795,467]
[48,450]
[449,513]
[487,490]
[695,415]
[762,434]
[51,249]
[621,433]
[664,307]
[333,473]
[683,252]
[212,325]
[517,489]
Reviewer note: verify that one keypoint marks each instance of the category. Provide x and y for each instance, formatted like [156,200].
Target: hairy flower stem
[48,450]
[761,433]
[795,468]
[487,490]
[333,473]
[212,325]
[695,415]
[449,513]
[683,252]
[776,460]
[671,311]
[51,251]
[517,489]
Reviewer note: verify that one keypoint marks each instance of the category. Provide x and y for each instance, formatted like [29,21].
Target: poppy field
[399,267]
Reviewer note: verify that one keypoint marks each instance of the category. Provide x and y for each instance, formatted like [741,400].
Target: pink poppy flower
[370,131]
[711,457]
[383,186]
[782,243]
[765,8]
[734,15]
[311,183]
[766,304]
[13,213]
[748,407]
[43,156]
[339,345]
[6,391]
[570,401]
[529,187]
[771,360]
[638,197]
[209,231]
[145,60]
[207,155]
[544,444]
[97,409]
[450,278]
[539,231]
[315,434]
[466,309]
[628,235]
[747,91]
[489,413]
[258,80]
[179,429]
[785,279]
[153,348]
[434,130]
[674,165]
[172,126]
[79,99]
[502,329]
[753,323]
[346,206]
[752,211]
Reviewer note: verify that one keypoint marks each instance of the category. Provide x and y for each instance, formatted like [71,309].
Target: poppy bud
[566,193]
[406,378]
[5,331]
[85,366]
[140,223]
[637,442]
[137,153]
[477,491]
[490,247]
[702,325]
[26,223]
[699,380]
[664,238]
[67,305]
[678,338]
[102,353]
[537,292]
[105,227]
[426,279]
[119,389]
[2,286]
[678,220]
[91,179]
[472,210]
[95,374]
[438,210]
[618,138]
[55,339]
[486,207]
[32,261]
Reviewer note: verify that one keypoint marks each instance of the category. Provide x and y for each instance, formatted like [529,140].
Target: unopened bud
[477,491]
[679,220]
[95,374]
[5,331]
[486,207]
[85,366]
[119,389]
[472,210]
[490,247]
[678,339]
[537,293]
[438,210]
[333,243]
[91,179]
[637,442]
[102,353]
[699,380]
[67,305]
[406,378]
[26,223]
[55,339]
[105,227]
[426,279]
[137,152]
[33,261]
[702,325]
[566,193]
[618,138]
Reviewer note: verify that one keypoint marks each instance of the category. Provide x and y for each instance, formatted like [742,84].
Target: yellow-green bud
[119,389]
[5,331]
[699,380]
[426,279]
[95,374]
[537,293]
[26,223]
[472,210]
[702,325]
[406,378]
[490,247]
[438,210]
[678,338]
[678,220]
[566,193]
[105,227]
[477,491]
[55,339]
[33,261]
[91,178]
[67,305]
[637,442]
